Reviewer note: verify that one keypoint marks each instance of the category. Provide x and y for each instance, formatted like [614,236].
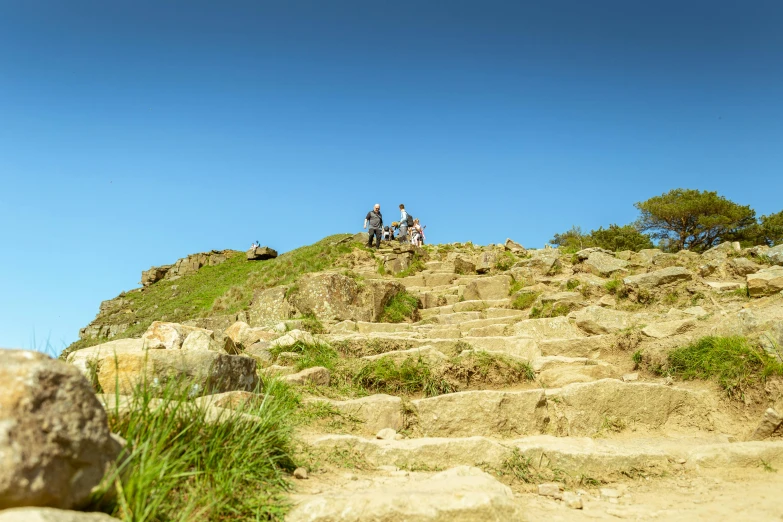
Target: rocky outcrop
[514,247]
[494,287]
[55,443]
[260,254]
[185,266]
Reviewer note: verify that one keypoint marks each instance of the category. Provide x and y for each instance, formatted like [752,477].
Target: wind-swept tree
[693,219]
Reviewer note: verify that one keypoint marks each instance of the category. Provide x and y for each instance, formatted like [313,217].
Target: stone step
[518,346]
[576,347]
[547,328]
[470,306]
[600,459]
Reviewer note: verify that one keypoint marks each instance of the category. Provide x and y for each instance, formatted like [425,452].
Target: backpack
[409,221]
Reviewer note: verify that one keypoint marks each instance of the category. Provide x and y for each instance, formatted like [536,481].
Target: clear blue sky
[135,133]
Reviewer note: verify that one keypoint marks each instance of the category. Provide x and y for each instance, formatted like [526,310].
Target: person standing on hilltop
[375,219]
[403,224]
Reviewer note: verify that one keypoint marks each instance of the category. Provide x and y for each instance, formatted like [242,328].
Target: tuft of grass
[613,286]
[637,358]
[516,286]
[182,462]
[412,375]
[733,361]
[524,300]
[312,354]
[311,323]
[549,310]
[571,284]
[505,261]
[400,308]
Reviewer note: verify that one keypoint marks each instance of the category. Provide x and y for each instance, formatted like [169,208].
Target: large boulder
[168,336]
[462,494]
[270,306]
[543,261]
[665,276]
[604,265]
[201,340]
[486,261]
[200,372]
[331,296]
[765,282]
[260,254]
[495,287]
[514,247]
[87,360]
[464,266]
[55,442]
[775,255]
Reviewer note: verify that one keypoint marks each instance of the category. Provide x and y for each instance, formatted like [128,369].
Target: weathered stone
[200,340]
[293,337]
[87,360]
[300,473]
[469,413]
[770,422]
[55,442]
[572,500]
[550,489]
[546,328]
[261,253]
[765,282]
[604,265]
[464,266]
[243,335]
[775,254]
[316,375]
[742,266]
[36,514]
[668,328]
[377,412]
[657,278]
[513,246]
[460,494]
[631,377]
[722,251]
[495,287]
[269,306]
[154,274]
[486,262]
[568,374]
[386,434]
[200,371]
[598,320]
[608,301]
[168,336]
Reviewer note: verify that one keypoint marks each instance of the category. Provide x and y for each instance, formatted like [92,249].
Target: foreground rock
[35,514]
[169,336]
[55,443]
[765,282]
[462,494]
[661,277]
[201,372]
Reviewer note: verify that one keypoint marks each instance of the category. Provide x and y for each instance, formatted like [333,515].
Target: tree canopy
[613,238]
[693,219]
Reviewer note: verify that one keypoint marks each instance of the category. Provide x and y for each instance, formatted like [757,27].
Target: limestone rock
[154,274]
[486,262]
[270,305]
[36,514]
[168,336]
[293,337]
[462,494]
[550,489]
[386,434]
[770,422]
[742,266]
[546,328]
[668,328]
[377,412]
[200,340]
[608,301]
[261,253]
[335,297]
[200,371]
[55,442]
[604,265]
[464,414]
[315,375]
[464,266]
[243,335]
[572,500]
[598,320]
[495,287]
[657,278]
[513,246]
[87,360]
[775,255]
[765,282]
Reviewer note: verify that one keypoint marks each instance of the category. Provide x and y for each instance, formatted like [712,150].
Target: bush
[733,361]
[400,308]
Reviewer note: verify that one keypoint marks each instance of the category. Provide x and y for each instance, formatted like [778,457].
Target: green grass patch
[181,464]
[613,286]
[310,323]
[524,300]
[516,286]
[734,362]
[572,284]
[549,310]
[400,308]
[505,261]
[410,376]
[311,355]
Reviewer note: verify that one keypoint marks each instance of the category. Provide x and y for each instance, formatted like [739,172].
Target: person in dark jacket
[375,220]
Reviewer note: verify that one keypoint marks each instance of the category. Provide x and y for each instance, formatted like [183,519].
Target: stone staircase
[587,419]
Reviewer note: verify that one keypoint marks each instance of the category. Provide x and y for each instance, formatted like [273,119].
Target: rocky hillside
[482,383]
